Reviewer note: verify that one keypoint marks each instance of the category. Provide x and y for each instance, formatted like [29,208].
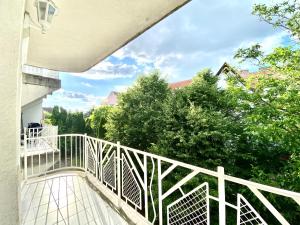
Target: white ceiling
[86,31]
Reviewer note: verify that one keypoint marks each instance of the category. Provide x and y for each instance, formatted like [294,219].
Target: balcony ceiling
[85,32]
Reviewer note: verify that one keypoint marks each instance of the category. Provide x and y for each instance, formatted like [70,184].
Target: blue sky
[202,34]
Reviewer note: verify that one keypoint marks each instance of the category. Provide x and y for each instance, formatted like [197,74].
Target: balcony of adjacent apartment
[37,84]
[41,77]
[85,180]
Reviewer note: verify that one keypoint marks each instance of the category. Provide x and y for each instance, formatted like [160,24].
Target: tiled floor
[68,200]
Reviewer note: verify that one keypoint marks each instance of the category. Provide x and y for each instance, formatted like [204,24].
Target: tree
[67,122]
[137,120]
[76,123]
[285,14]
[58,118]
[98,120]
[197,129]
[270,103]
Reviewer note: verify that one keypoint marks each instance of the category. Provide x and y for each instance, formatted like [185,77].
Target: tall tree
[137,120]
[67,122]
[98,120]
[270,102]
[197,129]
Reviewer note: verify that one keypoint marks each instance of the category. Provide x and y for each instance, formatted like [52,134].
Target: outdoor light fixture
[46,10]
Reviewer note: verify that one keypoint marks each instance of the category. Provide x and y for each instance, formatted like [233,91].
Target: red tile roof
[180,84]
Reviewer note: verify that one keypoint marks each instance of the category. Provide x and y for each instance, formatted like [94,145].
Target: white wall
[11,27]
[222,83]
[32,92]
[33,112]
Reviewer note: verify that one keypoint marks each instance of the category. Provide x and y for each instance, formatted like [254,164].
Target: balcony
[85,180]
[37,71]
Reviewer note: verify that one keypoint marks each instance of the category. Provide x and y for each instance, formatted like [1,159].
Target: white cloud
[87,84]
[73,101]
[202,34]
[270,42]
[121,88]
[109,71]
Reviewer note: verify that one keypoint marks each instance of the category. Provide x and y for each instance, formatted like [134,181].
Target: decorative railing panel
[110,172]
[91,161]
[131,190]
[191,208]
[160,190]
[246,214]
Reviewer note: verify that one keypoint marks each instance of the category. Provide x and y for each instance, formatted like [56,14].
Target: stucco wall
[11,27]
[32,113]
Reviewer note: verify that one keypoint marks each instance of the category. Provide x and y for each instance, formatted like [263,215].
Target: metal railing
[36,146]
[157,189]
[47,130]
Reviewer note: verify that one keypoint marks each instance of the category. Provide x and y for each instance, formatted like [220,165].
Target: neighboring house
[180,84]
[227,71]
[224,72]
[111,99]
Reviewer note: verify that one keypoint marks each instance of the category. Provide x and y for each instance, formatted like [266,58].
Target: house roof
[111,99]
[180,84]
[226,68]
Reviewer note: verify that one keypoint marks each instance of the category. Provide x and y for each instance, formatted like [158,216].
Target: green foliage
[285,14]
[269,109]
[269,103]
[98,119]
[196,125]
[136,121]
[67,122]
[252,52]
[47,116]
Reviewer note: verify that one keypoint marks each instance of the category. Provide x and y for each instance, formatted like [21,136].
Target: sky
[202,34]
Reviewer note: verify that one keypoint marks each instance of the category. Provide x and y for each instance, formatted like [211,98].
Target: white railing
[36,146]
[47,130]
[40,72]
[159,190]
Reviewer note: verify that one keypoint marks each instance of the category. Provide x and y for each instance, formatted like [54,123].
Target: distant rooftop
[112,99]
[180,84]
[226,68]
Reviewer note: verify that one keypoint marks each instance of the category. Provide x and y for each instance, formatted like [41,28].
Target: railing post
[160,206]
[85,152]
[221,195]
[25,155]
[146,187]
[100,162]
[96,159]
[119,171]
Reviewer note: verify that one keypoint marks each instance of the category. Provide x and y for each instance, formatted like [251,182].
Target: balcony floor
[65,199]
